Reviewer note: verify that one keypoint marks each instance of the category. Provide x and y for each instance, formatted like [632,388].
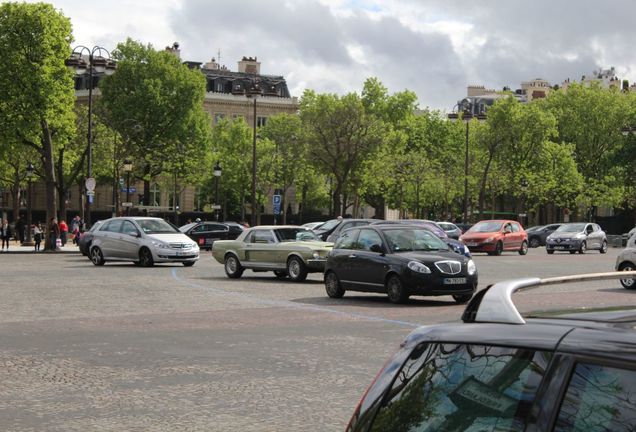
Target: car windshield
[571,227]
[330,224]
[156,226]
[413,239]
[486,227]
[295,234]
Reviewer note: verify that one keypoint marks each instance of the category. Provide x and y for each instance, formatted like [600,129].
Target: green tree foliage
[158,102]
[36,88]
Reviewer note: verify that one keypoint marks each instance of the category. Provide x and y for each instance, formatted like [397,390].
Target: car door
[509,241]
[342,257]
[129,241]
[109,239]
[261,249]
[518,235]
[592,242]
[368,267]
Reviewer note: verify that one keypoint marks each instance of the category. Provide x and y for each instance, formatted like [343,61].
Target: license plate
[559,247]
[454,281]
[183,253]
[471,244]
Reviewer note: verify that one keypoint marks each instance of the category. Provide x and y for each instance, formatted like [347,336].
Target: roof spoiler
[494,304]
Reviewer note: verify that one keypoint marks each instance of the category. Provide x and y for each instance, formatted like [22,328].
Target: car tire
[395,290]
[572,252]
[629,283]
[96,256]
[535,242]
[583,247]
[333,286]
[145,257]
[462,298]
[188,263]
[280,274]
[296,269]
[550,252]
[524,248]
[603,247]
[498,248]
[233,267]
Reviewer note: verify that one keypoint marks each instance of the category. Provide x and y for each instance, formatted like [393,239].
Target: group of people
[59,233]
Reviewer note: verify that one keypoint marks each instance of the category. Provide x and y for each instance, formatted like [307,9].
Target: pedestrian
[54,233]
[75,229]
[37,236]
[5,234]
[63,231]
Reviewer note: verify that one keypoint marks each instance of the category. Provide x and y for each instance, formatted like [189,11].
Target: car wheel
[296,269]
[498,248]
[233,268]
[535,242]
[395,290]
[188,263]
[524,248]
[332,286]
[145,258]
[583,248]
[280,274]
[572,252]
[550,252]
[603,247]
[628,283]
[462,298]
[97,257]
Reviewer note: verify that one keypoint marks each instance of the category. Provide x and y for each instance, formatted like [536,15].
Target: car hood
[564,235]
[170,238]
[432,256]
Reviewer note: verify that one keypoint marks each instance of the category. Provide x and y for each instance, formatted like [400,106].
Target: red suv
[496,236]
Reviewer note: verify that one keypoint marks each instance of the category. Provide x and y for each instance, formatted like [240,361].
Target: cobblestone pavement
[121,348]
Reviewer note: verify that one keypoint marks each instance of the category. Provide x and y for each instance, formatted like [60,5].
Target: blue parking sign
[276,200]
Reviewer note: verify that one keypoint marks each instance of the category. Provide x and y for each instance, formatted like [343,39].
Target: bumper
[564,246]
[481,247]
[169,255]
[316,265]
[438,284]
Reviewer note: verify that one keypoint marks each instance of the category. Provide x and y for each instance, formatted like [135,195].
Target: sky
[434,48]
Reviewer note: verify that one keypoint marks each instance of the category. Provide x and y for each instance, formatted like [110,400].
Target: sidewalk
[17,248]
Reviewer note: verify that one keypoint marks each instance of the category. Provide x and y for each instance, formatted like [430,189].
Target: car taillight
[201,240]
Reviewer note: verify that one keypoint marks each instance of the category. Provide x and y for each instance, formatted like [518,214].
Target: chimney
[249,65]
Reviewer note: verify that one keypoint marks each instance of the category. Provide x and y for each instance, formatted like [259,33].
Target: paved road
[86,348]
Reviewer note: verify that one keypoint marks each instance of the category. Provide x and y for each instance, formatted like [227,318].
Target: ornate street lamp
[128,167]
[217,174]
[254,93]
[99,62]
[30,171]
[523,216]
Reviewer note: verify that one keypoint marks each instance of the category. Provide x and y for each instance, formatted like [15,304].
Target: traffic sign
[215,206]
[132,189]
[90,193]
[90,184]
[276,199]
[126,204]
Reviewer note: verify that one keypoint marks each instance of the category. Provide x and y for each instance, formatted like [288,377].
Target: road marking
[290,305]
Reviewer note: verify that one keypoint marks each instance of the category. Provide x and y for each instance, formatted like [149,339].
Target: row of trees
[339,152]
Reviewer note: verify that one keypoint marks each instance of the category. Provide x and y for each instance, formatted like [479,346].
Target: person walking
[54,233]
[75,229]
[63,232]
[5,234]
[37,236]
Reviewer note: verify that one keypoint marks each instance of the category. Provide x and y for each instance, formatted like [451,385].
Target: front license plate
[469,244]
[454,281]
[559,247]
[183,253]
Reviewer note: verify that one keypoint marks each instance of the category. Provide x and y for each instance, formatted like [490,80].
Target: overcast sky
[434,48]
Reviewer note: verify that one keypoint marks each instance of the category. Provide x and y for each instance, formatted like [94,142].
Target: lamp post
[100,64]
[29,175]
[254,93]
[128,166]
[523,216]
[217,175]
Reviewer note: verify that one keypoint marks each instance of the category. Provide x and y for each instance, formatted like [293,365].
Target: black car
[205,233]
[330,230]
[538,235]
[436,229]
[86,238]
[399,260]
[499,371]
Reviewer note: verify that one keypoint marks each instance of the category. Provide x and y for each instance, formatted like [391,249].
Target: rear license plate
[454,281]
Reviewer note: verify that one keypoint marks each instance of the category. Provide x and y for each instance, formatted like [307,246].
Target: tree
[153,93]
[36,88]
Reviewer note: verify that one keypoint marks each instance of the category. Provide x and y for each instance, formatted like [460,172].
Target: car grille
[449,267]
[179,246]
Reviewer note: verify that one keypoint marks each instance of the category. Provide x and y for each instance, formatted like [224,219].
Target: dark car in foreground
[501,371]
[399,260]
[206,233]
[577,237]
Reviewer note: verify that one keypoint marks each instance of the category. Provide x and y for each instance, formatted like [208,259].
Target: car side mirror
[377,248]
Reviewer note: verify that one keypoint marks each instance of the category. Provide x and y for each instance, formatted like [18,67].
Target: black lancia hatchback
[399,260]
[499,371]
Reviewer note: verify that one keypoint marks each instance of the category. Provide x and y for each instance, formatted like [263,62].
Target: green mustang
[284,249]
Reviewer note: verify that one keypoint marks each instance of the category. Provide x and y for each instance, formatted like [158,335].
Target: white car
[142,240]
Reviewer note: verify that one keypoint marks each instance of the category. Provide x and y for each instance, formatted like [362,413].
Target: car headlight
[418,267]
[316,255]
[471,267]
[579,236]
[160,245]
[490,240]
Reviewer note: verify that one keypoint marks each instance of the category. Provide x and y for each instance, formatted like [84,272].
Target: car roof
[278,227]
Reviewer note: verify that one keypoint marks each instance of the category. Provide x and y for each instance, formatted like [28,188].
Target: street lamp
[523,216]
[100,64]
[128,166]
[254,93]
[29,175]
[217,175]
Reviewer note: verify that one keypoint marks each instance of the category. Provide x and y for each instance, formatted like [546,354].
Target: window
[112,226]
[264,236]
[598,398]
[589,229]
[515,227]
[129,228]
[450,387]
[368,238]
[218,117]
[155,195]
[260,121]
[346,240]
[172,202]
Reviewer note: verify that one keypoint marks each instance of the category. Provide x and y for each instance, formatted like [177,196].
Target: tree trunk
[482,190]
[49,179]
[15,194]
[146,185]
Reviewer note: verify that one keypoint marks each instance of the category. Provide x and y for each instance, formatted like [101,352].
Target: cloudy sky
[435,48]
